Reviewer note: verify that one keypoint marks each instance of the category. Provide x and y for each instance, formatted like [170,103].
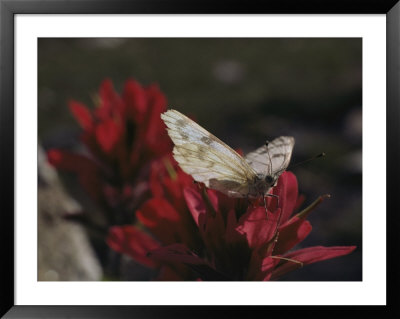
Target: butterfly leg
[265,203]
[265,206]
[279,216]
[273,195]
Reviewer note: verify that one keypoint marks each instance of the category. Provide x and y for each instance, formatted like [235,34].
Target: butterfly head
[263,183]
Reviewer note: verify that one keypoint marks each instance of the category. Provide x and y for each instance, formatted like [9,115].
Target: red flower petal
[308,256]
[179,253]
[107,92]
[155,133]
[223,203]
[81,114]
[108,134]
[258,228]
[195,204]
[168,273]
[167,180]
[133,242]
[296,229]
[206,215]
[287,191]
[86,169]
[260,266]
[70,161]
[232,236]
[111,105]
[158,104]
[268,265]
[209,221]
[161,219]
[55,158]
[176,253]
[299,202]
[155,211]
[291,234]
[135,100]
[213,199]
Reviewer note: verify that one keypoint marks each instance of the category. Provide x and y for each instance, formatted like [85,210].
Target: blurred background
[244,91]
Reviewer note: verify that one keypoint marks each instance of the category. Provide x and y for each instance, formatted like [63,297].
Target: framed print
[198,156]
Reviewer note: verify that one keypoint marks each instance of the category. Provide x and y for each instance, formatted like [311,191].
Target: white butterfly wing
[280,152]
[206,158]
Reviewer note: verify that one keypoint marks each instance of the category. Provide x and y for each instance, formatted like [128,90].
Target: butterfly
[210,161]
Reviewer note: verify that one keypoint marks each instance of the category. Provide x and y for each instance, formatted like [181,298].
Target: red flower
[246,244]
[166,217]
[229,239]
[122,134]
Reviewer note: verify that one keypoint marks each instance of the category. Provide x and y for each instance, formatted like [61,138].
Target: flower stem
[310,208]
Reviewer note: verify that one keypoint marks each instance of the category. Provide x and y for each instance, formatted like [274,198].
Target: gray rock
[64,250]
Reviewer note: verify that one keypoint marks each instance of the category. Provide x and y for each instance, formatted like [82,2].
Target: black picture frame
[8,10]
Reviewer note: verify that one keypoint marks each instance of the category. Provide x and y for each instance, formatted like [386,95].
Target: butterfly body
[212,162]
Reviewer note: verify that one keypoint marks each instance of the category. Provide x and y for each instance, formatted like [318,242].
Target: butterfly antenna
[306,161]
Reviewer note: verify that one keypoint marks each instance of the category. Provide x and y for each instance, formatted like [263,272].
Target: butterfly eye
[269,179]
